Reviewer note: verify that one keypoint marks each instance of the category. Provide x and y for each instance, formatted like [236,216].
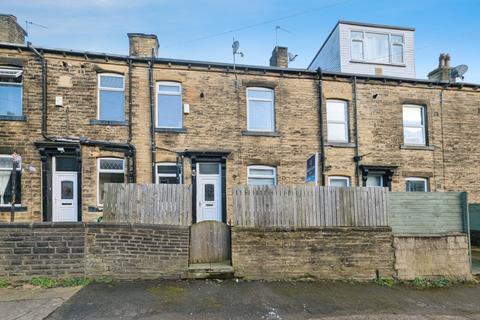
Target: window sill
[380,63]
[108,122]
[171,130]
[340,144]
[13,118]
[18,208]
[260,133]
[95,209]
[413,147]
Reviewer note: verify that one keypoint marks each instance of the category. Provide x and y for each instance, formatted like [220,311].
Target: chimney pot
[143,45]
[442,73]
[279,57]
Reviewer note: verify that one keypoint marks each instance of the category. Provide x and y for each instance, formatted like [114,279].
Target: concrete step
[217,270]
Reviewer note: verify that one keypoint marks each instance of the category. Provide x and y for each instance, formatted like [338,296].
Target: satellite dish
[292,57]
[235,46]
[459,71]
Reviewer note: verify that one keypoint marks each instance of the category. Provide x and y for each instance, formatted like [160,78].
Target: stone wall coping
[429,235]
[33,225]
[326,229]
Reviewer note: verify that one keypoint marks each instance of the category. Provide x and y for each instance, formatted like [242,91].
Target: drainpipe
[133,153]
[320,124]
[357,157]
[152,115]
[44,91]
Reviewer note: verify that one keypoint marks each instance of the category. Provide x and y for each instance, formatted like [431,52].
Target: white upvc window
[262,175]
[109,170]
[11,92]
[169,105]
[337,121]
[260,109]
[375,47]
[111,97]
[338,181]
[168,173]
[416,184]
[414,125]
[6,168]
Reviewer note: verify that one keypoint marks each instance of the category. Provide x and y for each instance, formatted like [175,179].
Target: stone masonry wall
[321,253]
[432,257]
[75,250]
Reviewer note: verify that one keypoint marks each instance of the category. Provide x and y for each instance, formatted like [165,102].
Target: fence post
[466,217]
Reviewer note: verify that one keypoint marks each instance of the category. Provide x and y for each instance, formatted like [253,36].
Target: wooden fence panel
[168,204]
[309,206]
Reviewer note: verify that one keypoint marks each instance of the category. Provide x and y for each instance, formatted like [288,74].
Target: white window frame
[423,126]
[169,175]
[390,46]
[9,74]
[272,101]
[100,88]
[107,171]
[19,169]
[345,122]
[179,93]
[425,181]
[262,176]
[330,178]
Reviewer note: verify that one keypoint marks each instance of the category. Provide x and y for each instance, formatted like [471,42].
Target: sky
[204,29]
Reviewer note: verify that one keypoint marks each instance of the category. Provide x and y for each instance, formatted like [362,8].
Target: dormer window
[11,92]
[374,47]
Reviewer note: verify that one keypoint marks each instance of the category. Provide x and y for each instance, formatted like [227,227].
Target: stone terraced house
[75,120]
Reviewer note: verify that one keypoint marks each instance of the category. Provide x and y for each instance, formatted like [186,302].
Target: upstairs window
[169,105]
[414,125]
[338,181]
[337,121]
[10,92]
[260,110]
[377,47]
[6,168]
[111,97]
[110,170]
[262,175]
[168,173]
[416,184]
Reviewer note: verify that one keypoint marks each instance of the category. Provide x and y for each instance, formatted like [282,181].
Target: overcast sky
[203,29]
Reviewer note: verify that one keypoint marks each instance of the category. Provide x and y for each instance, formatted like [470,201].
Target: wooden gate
[209,242]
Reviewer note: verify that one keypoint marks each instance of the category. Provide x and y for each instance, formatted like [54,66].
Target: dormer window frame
[391,45]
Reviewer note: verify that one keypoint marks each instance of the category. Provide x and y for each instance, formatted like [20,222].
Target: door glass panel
[209,168]
[67,189]
[209,192]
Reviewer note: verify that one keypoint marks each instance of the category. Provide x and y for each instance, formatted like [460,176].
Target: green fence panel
[427,212]
[474,209]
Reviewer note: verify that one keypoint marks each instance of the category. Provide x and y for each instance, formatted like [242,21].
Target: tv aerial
[276,33]
[292,57]
[27,23]
[235,52]
[458,71]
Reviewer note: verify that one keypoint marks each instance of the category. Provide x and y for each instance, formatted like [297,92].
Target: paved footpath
[31,303]
[268,300]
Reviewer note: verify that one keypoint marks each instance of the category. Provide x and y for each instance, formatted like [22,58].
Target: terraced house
[75,120]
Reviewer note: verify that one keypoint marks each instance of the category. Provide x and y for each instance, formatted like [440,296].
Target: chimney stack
[141,45]
[443,72]
[10,30]
[279,57]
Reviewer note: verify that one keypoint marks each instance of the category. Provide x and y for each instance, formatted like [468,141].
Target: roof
[239,67]
[353,23]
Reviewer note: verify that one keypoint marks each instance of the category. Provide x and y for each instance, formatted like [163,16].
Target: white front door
[209,192]
[64,194]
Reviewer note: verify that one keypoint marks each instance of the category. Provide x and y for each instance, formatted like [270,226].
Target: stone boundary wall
[119,251]
[319,253]
[432,256]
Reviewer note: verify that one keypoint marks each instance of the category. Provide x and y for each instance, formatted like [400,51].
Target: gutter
[152,115]
[320,124]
